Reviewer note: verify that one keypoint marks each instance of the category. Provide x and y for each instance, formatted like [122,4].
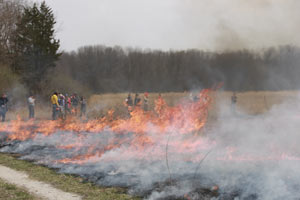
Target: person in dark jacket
[3,106]
[233,103]
[129,104]
[31,104]
[128,100]
[137,100]
[74,103]
[82,106]
[68,104]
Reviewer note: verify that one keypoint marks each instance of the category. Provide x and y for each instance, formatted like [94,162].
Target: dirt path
[37,188]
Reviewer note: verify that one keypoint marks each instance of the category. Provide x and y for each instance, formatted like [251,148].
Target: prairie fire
[159,154]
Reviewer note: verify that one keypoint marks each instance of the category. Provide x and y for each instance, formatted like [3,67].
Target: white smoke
[178,24]
[240,24]
[251,157]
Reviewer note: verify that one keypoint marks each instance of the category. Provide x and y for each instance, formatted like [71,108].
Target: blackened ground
[199,185]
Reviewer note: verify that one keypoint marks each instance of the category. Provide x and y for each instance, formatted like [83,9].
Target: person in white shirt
[31,104]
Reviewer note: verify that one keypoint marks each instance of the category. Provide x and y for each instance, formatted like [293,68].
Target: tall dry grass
[252,103]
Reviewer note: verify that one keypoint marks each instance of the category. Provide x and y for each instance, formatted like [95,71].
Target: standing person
[233,103]
[3,106]
[160,105]
[137,100]
[129,103]
[146,101]
[67,104]
[128,100]
[82,106]
[61,103]
[74,102]
[31,104]
[55,105]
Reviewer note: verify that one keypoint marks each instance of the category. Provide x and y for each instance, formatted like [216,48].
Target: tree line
[30,57]
[28,47]
[115,69]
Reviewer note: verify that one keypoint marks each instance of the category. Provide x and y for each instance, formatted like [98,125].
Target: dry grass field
[42,111]
[252,103]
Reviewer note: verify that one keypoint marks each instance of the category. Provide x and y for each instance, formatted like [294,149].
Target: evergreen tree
[36,46]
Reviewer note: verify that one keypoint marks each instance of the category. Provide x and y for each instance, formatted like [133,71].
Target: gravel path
[37,188]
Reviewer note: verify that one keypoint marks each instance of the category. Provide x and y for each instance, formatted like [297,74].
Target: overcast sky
[177,24]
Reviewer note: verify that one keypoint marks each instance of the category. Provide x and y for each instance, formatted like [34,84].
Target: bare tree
[10,12]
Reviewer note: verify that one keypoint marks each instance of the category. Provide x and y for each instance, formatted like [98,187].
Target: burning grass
[252,103]
[86,143]
[189,149]
[98,105]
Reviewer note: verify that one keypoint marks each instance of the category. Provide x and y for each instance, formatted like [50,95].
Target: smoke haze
[251,157]
[176,24]
[238,24]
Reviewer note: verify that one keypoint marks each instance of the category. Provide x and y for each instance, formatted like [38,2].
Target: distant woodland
[107,69]
[30,59]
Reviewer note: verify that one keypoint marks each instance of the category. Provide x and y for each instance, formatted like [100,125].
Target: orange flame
[185,118]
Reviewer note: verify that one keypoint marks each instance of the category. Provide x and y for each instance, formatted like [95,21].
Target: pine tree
[36,46]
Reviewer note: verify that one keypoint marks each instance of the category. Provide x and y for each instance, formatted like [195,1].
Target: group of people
[63,105]
[137,102]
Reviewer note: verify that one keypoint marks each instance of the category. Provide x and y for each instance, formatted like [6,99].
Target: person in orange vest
[55,105]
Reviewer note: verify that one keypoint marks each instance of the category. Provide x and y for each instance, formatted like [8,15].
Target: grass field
[11,192]
[252,103]
[64,182]
[249,102]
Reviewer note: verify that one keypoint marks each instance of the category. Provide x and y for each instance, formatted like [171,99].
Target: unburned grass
[252,103]
[65,182]
[12,192]
[249,102]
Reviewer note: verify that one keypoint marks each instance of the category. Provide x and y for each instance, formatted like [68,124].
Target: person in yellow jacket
[55,105]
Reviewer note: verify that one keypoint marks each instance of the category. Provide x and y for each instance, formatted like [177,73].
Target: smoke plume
[236,156]
[240,24]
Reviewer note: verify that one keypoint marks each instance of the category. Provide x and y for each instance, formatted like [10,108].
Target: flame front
[142,132]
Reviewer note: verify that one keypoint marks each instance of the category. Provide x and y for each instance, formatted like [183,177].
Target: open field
[252,103]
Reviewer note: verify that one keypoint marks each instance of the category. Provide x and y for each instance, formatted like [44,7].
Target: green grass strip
[65,182]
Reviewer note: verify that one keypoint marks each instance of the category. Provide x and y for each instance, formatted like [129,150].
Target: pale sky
[177,24]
